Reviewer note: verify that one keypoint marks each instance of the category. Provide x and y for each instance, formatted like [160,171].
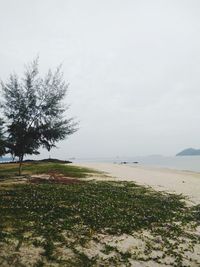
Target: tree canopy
[34,111]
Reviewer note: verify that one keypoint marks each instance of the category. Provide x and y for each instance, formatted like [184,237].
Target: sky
[133,67]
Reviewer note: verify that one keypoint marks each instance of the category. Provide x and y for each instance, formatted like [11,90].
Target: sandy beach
[174,181]
[96,218]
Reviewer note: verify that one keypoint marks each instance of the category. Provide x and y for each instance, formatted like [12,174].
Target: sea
[186,163]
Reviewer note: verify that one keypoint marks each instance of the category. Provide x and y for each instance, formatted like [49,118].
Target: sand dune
[175,181]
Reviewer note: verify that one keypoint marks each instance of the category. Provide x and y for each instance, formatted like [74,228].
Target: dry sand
[175,181]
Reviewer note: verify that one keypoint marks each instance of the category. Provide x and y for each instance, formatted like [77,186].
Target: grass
[56,217]
[10,170]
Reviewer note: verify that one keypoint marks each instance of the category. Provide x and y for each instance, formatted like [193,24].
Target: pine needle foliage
[34,111]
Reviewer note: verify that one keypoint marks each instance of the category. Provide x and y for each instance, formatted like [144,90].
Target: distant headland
[189,152]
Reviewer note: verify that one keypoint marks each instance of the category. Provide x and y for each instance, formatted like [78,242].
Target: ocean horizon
[185,163]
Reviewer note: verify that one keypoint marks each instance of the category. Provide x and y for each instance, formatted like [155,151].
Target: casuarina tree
[2,139]
[34,112]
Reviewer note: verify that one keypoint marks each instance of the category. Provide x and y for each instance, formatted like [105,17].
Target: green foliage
[34,111]
[11,169]
[47,211]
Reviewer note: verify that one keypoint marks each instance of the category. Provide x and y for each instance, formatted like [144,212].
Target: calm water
[189,163]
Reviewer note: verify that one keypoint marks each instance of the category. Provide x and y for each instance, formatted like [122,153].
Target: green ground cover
[61,223]
[10,170]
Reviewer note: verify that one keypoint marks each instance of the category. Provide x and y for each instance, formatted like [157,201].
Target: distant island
[189,152]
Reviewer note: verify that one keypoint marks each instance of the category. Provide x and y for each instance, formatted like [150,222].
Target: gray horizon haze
[133,68]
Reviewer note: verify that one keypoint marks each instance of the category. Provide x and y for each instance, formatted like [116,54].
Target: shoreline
[162,179]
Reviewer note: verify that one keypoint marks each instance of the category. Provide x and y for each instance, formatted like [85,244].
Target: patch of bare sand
[180,182]
[140,249]
[27,255]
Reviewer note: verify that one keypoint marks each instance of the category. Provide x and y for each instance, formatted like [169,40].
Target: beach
[173,181]
[102,215]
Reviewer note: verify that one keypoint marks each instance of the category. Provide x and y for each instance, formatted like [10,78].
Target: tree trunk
[20,164]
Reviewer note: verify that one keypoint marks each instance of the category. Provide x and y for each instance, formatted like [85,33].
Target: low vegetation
[93,223]
[11,169]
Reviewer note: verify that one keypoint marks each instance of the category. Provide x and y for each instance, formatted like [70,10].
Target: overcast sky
[133,68]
